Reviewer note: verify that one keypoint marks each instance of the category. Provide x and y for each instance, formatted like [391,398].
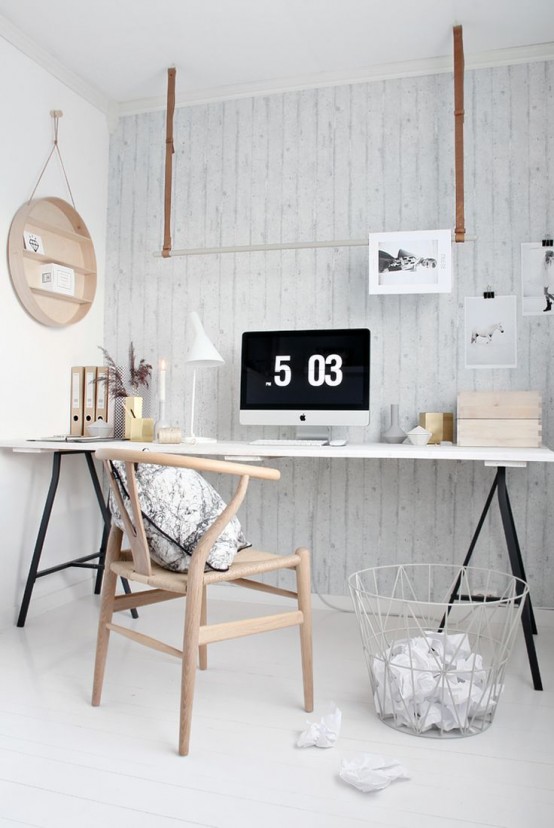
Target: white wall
[36,360]
[336,163]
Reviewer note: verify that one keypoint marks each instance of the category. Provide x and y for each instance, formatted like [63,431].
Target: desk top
[249,451]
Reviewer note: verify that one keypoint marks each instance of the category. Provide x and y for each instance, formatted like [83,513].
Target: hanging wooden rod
[460,232]
[266,248]
[169,150]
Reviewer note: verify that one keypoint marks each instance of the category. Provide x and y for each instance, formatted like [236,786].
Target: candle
[162,381]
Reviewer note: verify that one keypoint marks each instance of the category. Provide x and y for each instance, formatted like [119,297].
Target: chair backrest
[132,516]
[133,522]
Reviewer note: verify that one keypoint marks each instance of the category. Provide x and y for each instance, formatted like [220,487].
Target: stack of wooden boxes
[499,418]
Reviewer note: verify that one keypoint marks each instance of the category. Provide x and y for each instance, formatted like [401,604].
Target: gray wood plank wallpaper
[337,163]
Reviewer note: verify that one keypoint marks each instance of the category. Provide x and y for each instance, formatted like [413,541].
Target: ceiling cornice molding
[389,71]
[36,53]
[381,72]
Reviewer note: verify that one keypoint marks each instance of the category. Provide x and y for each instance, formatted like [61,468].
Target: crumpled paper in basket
[433,680]
[323,733]
[371,772]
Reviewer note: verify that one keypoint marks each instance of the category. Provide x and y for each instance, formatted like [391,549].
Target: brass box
[142,429]
[441,425]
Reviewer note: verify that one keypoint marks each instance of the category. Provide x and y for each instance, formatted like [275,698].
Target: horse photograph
[490,338]
[485,334]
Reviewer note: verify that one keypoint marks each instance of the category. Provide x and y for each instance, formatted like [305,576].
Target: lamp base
[191,440]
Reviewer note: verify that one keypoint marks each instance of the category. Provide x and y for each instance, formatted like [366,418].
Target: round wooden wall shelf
[66,242]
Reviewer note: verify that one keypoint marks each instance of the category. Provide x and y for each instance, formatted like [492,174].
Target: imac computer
[307,379]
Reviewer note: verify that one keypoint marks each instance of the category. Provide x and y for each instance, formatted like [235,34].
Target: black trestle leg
[33,569]
[529,625]
[34,572]
[514,553]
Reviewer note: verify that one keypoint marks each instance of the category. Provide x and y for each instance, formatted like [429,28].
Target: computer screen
[305,378]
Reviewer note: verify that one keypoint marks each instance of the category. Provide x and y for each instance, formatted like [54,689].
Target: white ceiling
[120,50]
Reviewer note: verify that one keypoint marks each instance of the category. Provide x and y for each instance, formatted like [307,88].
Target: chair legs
[196,616]
[106,612]
[303,581]
[194,607]
[203,648]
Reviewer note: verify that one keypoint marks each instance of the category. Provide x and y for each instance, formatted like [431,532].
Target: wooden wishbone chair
[135,565]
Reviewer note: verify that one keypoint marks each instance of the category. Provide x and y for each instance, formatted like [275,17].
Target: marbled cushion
[181,505]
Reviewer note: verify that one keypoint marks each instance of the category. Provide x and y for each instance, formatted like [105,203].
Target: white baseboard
[44,603]
[41,604]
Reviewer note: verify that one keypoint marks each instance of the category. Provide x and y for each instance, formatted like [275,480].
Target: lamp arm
[192,402]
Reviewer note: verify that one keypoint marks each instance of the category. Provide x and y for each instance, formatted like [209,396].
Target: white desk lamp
[201,354]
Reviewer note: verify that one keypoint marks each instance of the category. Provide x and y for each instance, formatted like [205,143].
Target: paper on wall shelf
[33,242]
[58,279]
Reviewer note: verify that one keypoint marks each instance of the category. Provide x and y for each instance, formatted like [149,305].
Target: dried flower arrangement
[139,375]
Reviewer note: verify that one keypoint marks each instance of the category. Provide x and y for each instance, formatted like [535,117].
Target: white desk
[507,457]
[500,458]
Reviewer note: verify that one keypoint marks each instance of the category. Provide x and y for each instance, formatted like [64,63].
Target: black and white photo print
[537,279]
[490,335]
[410,262]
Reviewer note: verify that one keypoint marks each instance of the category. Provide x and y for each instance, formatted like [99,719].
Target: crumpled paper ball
[371,772]
[323,733]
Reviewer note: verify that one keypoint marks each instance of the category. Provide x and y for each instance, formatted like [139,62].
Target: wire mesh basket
[437,639]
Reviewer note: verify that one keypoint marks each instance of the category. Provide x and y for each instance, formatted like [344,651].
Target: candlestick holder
[161,421]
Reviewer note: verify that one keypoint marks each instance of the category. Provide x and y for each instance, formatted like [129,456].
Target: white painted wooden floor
[64,763]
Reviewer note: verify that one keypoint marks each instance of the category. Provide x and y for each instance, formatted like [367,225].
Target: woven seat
[135,565]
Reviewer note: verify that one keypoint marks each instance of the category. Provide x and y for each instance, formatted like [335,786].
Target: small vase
[394,434]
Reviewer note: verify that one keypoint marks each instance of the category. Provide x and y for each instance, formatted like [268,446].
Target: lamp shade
[201,351]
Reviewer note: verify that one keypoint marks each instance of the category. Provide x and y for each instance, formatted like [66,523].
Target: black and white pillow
[178,505]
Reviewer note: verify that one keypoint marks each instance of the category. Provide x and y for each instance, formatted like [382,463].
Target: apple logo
[303,417]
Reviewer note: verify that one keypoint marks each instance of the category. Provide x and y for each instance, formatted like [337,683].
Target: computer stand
[307,432]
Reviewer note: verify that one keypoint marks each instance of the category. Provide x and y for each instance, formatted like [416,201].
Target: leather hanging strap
[459,233]
[169,150]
